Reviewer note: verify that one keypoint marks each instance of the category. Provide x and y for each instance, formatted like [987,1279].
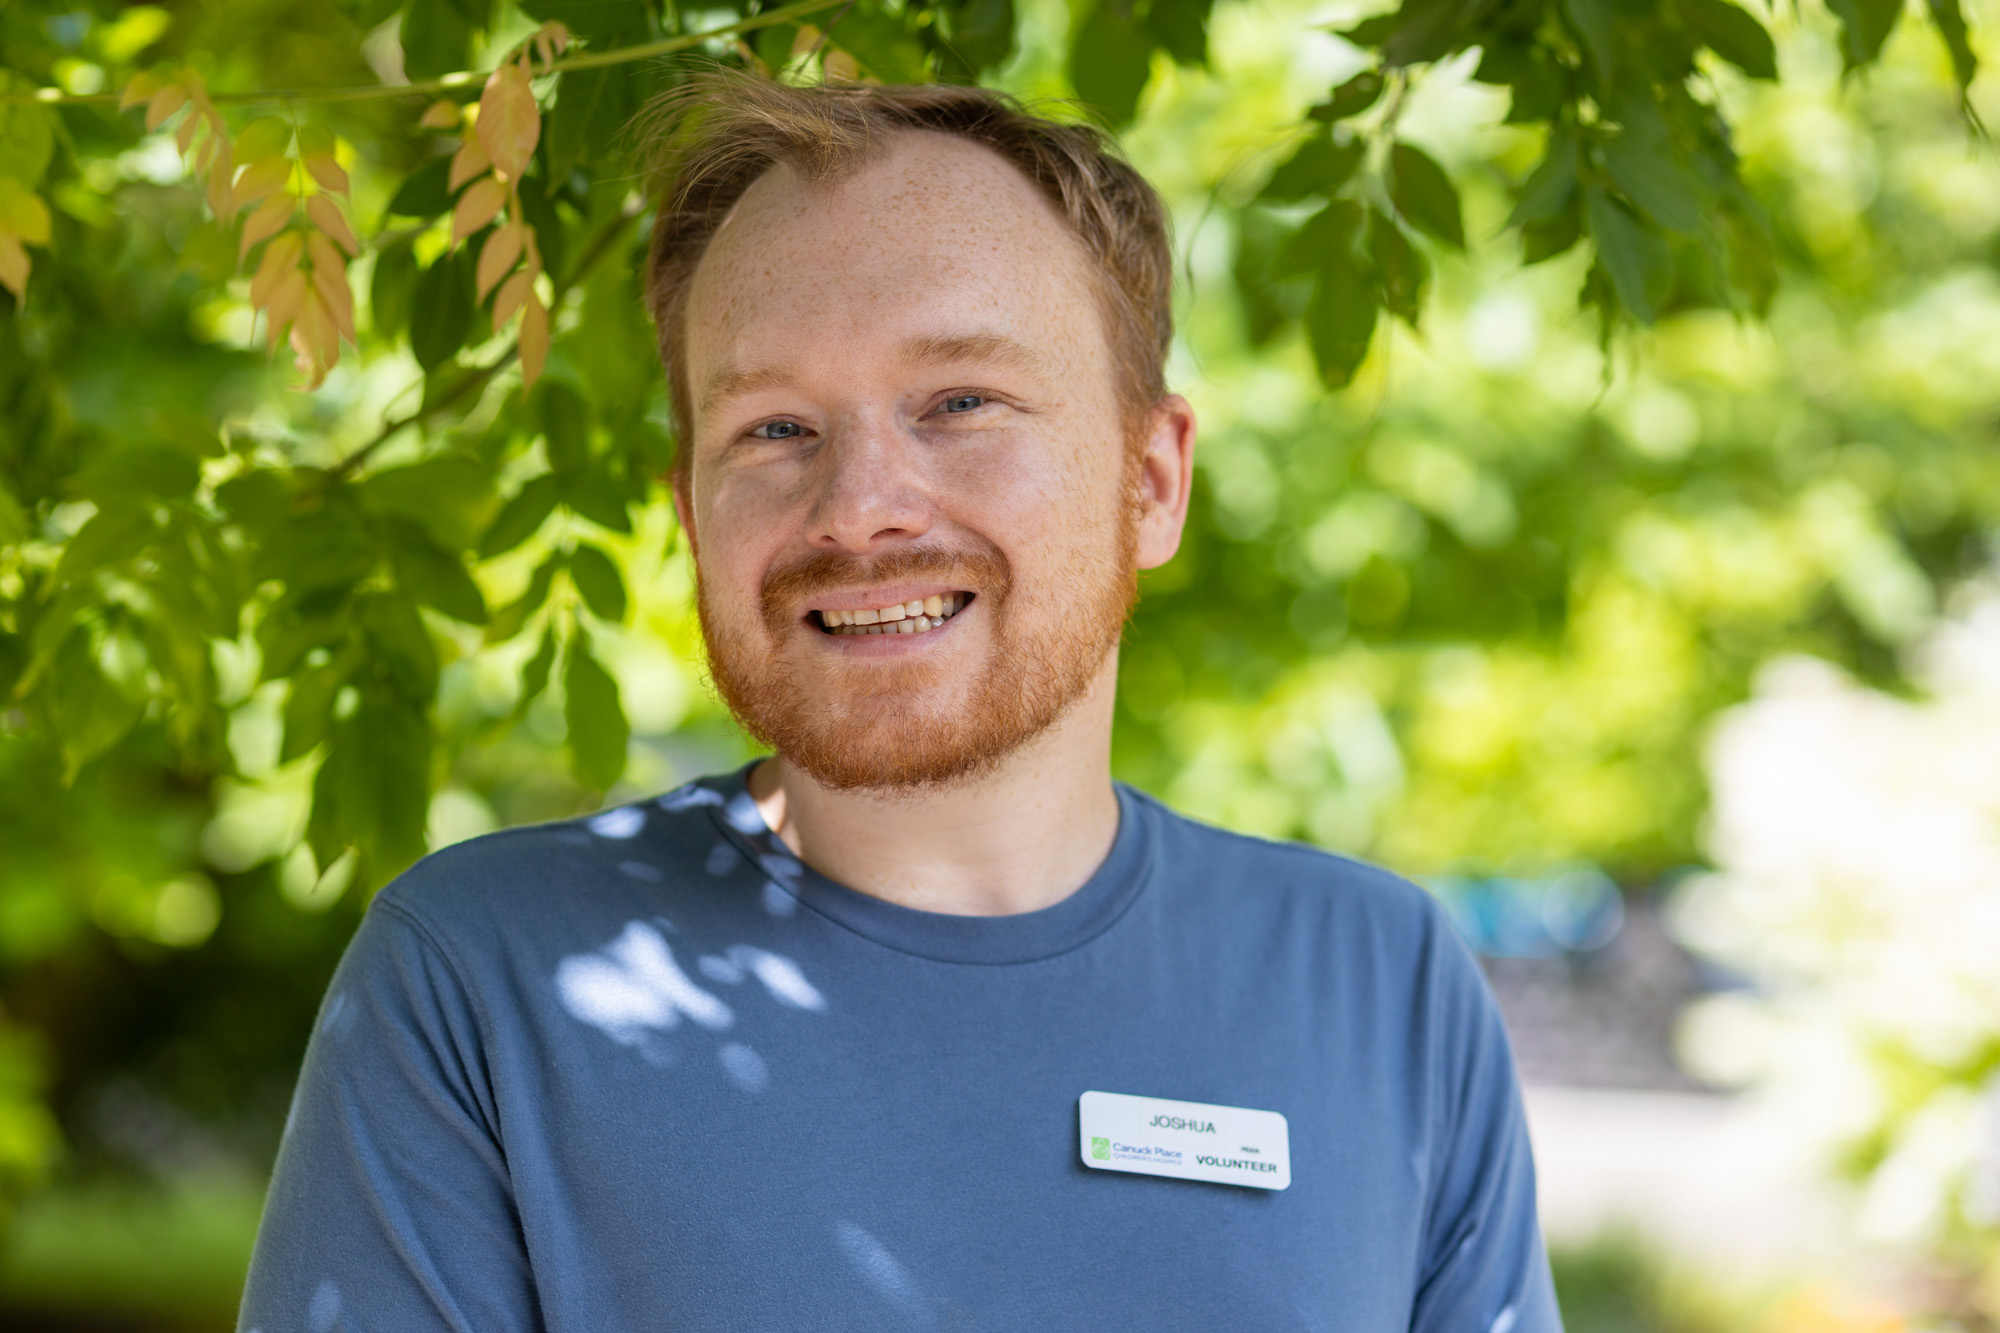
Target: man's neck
[1022,836]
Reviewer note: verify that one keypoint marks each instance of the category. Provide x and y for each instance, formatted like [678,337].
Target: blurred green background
[1662,565]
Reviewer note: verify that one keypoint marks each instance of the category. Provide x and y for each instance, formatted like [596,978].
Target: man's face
[912,492]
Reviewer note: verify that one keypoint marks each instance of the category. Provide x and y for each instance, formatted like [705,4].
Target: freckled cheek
[743,523]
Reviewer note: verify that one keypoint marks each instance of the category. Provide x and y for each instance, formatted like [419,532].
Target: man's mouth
[916,616]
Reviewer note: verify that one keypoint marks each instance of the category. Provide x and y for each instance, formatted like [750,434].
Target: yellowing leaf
[478,206]
[164,103]
[326,215]
[281,256]
[331,176]
[220,168]
[329,280]
[550,41]
[265,223]
[14,265]
[501,251]
[141,89]
[260,180]
[512,293]
[470,160]
[286,297]
[22,213]
[184,135]
[315,341]
[534,339]
[440,115]
[509,122]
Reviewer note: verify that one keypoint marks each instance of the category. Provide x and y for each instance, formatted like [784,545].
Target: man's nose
[871,487]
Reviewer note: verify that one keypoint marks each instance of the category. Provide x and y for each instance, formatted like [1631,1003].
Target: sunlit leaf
[509,124]
[1424,194]
[599,581]
[598,732]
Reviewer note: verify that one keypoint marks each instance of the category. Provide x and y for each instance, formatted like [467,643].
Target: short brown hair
[721,131]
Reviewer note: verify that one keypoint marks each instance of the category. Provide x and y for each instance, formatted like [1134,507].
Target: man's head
[915,340]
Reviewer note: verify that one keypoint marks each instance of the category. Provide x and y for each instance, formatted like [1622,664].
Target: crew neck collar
[1022,937]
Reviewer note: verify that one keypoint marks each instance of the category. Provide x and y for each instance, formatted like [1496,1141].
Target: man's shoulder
[1242,870]
[639,857]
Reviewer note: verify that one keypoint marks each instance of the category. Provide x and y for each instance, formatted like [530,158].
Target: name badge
[1150,1136]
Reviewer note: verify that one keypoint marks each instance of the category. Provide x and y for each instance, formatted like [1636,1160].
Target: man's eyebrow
[992,348]
[730,381]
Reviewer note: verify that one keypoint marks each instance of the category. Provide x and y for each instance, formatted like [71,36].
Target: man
[922,1022]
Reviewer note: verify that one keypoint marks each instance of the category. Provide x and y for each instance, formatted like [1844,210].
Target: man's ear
[1166,476]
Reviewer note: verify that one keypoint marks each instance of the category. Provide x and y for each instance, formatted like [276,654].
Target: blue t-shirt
[648,1071]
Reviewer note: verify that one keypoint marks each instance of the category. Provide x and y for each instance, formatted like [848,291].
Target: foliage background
[1481,545]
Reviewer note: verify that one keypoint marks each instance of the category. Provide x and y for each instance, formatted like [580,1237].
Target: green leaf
[535,674]
[432,575]
[564,417]
[591,111]
[400,654]
[1424,194]
[1950,21]
[522,516]
[1269,301]
[434,35]
[1425,30]
[288,632]
[425,192]
[980,32]
[1864,26]
[1545,238]
[598,732]
[309,709]
[600,499]
[1351,98]
[141,472]
[441,315]
[1733,34]
[1110,63]
[114,534]
[1549,187]
[881,44]
[1400,267]
[1653,181]
[374,787]
[328,547]
[1319,167]
[1331,230]
[27,139]
[392,289]
[1181,28]
[92,713]
[1340,319]
[449,496]
[1592,21]
[511,618]
[1634,255]
[597,578]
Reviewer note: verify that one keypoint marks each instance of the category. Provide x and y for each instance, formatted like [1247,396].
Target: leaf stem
[600,245]
[458,79]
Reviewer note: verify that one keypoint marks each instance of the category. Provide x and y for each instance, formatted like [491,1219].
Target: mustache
[981,570]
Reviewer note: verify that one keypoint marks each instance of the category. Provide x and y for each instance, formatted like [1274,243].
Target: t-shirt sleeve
[390,1207]
[1484,1269]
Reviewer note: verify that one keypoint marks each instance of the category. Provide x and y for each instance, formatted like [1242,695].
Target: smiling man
[922,1022]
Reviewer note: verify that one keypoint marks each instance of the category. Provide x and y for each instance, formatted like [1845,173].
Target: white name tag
[1187,1140]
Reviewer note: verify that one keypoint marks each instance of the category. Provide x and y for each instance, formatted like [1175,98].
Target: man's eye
[778,430]
[963,402]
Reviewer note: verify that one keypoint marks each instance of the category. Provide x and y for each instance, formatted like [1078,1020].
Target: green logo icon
[1100,1149]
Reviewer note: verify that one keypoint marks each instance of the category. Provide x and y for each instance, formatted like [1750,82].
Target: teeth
[917,616]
